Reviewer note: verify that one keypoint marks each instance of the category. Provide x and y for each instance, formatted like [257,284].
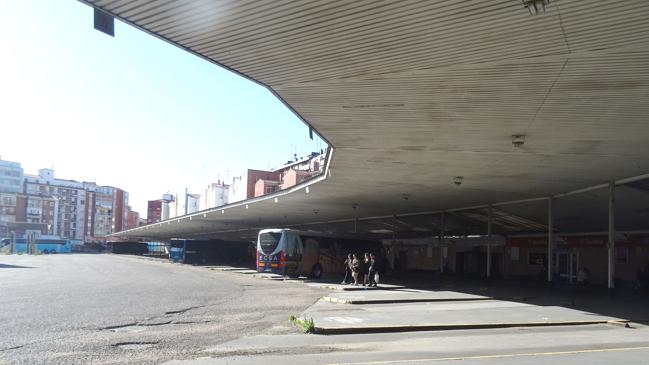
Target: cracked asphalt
[109,309]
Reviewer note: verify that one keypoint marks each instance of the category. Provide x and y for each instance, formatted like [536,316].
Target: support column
[611,237]
[550,237]
[441,244]
[489,222]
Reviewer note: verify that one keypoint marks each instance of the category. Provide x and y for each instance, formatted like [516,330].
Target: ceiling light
[518,140]
[458,180]
[536,7]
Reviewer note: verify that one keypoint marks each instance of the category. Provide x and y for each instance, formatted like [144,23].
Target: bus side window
[310,246]
[294,245]
[327,246]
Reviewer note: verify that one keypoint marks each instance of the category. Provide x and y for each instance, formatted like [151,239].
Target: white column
[489,222]
[611,236]
[550,237]
[441,244]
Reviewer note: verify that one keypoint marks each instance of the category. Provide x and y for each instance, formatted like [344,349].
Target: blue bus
[177,250]
[40,245]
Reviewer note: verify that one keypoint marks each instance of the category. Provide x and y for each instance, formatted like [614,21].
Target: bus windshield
[268,241]
[177,243]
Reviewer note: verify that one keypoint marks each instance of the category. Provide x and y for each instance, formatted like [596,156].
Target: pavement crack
[192,322]
[180,311]
[118,326]
[13,348]
[155,324]
[135,345]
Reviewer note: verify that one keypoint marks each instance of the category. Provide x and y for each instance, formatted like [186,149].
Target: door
[566,266]
[459,263]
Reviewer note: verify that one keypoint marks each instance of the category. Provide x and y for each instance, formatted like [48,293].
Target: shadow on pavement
[627,303]
[5,266]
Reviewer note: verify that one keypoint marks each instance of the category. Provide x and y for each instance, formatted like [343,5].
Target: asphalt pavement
[110,309]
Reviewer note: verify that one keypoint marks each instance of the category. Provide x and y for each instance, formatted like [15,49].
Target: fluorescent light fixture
[518,140]
[536,7]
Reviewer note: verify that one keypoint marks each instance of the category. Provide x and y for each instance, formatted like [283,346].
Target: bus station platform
[404,310]
[402,295]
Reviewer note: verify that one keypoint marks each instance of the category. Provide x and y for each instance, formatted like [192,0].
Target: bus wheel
[316,272]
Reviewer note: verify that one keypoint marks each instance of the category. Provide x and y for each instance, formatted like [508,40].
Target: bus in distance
[296,253]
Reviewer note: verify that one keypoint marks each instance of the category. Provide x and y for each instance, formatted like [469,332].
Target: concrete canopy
[412,94]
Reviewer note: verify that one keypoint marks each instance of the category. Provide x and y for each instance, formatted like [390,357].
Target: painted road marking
[345,320]
[495,356]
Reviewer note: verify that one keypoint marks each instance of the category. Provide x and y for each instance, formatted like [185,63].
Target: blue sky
[131,111]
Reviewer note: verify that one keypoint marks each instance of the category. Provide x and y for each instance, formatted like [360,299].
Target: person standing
[355,268]
[348,269]
[372,270]
[366,266]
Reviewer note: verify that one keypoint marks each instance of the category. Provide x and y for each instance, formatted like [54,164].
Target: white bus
[295,253]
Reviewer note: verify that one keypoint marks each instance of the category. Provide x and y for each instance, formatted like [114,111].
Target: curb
[359,288]
[423,300]
[450,327]
[395,301]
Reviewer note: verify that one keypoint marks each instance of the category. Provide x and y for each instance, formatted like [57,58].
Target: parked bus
[294,253]
[194,251]
[177,250]
[40,245]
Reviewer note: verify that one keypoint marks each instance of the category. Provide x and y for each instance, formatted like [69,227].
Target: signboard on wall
[538,258]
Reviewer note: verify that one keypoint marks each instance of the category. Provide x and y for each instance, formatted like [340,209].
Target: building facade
[69,202]
[216,195]
[158,210]
[11,177]
[256,183]
[190,203]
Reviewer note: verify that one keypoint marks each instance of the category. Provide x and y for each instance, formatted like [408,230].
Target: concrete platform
[269,276]
[401,295]
[227,268]
[331,318]
[344,287]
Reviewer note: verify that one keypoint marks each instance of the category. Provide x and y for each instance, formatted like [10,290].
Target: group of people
[361,272]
